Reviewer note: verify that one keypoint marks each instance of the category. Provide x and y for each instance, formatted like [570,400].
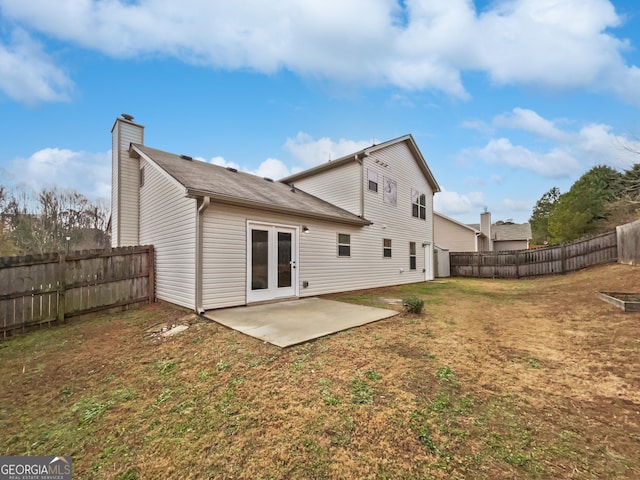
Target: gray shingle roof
[243,189]
[511,231]
[508,231]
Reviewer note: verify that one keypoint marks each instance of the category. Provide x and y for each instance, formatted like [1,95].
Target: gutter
[357,158]
[202,207]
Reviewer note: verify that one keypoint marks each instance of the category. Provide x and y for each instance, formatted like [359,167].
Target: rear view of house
[225,238]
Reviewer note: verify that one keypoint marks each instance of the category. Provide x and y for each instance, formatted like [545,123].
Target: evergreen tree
[540,217]
[583,208]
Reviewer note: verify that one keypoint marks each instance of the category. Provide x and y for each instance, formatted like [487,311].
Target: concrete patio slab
[297,321]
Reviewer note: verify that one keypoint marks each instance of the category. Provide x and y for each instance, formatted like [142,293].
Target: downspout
[199,251]
[356,157]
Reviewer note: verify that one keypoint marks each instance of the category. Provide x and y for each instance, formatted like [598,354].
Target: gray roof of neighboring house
[243,189]
[508,231]
[511,231]
[352,157]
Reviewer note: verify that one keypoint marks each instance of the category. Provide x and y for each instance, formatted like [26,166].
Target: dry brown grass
[497,379]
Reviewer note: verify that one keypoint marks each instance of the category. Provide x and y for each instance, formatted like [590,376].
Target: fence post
[518,264]
[563,258]
[62,286]
[152,274]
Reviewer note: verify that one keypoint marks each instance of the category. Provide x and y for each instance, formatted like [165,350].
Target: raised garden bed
[629,302]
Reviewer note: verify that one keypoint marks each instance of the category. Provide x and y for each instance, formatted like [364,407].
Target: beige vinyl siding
[167,221]
[340,186]
[225,238]
[127,184]
[396,221]
[452,236]
[501,245]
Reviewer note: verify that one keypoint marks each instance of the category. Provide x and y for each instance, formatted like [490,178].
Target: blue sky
[505,98]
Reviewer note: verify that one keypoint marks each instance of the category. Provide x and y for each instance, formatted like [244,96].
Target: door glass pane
[284,259]
[259,259]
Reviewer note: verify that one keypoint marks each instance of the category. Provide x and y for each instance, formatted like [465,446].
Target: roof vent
[186,157]
[126,116]
[293,188]
[268,179]
[231,169]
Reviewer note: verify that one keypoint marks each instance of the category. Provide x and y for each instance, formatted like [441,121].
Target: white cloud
[88,173]
[530,121]
[314,152]
[412,45]
[304,149]
[572,152]
[501,151]
[452,203]
[271,168]
[28,75]
[221,162]
[598,145]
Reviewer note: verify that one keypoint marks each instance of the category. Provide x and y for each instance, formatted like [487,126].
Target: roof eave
[366,152]
[241,202]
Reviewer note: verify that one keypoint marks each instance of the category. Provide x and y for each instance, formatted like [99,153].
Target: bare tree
[51,220]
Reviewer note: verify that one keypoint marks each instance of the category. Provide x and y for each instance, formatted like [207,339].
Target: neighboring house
[480,237]
[511,236]
[455,236]
[501,236]
[225,238]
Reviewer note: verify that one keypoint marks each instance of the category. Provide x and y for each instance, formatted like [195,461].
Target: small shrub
[413,304]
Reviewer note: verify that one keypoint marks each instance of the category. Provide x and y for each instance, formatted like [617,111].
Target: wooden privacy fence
[629,243]
[45,288]
[540,261]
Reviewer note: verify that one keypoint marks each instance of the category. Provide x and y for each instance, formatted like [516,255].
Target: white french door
[272,257]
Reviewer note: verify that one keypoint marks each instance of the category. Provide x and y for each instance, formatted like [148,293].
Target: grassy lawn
[496,379]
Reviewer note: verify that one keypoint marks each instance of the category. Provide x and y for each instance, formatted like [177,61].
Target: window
[373,180]
[412,255]
[418,205]
[344,245]
[386,247]
[142,176]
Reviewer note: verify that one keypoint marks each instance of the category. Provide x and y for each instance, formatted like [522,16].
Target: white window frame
[372,178]
[419,201]
[413,256]
[343,244]
[386,248]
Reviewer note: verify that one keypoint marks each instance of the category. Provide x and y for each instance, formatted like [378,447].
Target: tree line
[598,201]
[50,220]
